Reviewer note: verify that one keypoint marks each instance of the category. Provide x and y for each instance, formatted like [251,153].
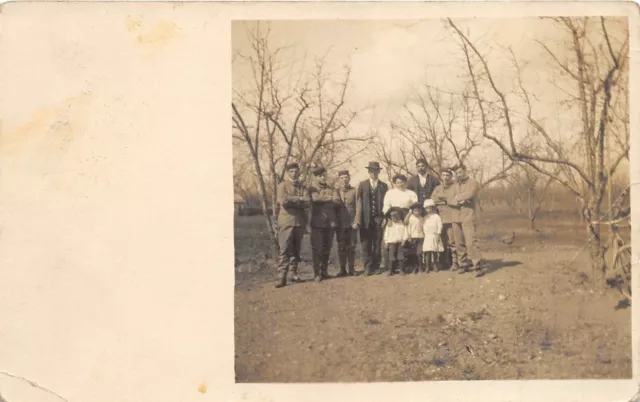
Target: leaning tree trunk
[597,252]
[264,202]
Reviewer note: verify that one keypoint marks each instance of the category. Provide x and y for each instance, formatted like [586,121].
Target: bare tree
[287,112]
[441,127]
[594,69]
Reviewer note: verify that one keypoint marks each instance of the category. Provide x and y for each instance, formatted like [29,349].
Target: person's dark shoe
[282,283]
[351,272]
[341,274]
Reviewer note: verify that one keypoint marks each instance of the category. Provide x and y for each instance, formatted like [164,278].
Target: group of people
[422,224]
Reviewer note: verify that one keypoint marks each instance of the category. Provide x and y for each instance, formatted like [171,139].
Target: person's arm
[405,234]
[322,195]
[413,196]
[286,199]
[356,218]
[439,225]
[467,191]
[309,208]
[438,197]
[386,205]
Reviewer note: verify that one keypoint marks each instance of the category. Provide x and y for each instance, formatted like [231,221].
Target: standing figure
[423,183]
[324,201]
[415,232]
[399,197]
[293,218]
[395,237]
[464,220]
[443,196]
[369,217]
[345,233]
[432,246]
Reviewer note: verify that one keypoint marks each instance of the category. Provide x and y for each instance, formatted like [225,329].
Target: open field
[536,314]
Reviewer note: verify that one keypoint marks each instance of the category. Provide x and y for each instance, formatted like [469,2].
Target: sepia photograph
[443,199]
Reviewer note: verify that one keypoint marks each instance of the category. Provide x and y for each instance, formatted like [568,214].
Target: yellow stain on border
[202,388]
[56,125]
[161,34]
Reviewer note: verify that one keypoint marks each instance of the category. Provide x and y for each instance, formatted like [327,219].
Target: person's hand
[307,229]
[355,226]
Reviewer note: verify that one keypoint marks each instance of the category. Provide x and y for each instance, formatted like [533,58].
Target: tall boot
[282,281]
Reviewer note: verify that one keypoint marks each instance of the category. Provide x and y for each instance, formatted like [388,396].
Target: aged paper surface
[116,221]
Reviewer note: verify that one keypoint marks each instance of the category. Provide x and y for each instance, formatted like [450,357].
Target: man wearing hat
[444,195]
[369,218]
[346,235]
[324,202]
[294,199]
[464,220]
[422,183]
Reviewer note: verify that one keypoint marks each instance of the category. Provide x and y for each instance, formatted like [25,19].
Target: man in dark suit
[369,217]
[422,183]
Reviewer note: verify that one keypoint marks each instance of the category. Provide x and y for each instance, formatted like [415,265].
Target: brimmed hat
[422,160]
[429,203]
[374,166]
[416,205]
[343,173]
[319,170]
[292,166]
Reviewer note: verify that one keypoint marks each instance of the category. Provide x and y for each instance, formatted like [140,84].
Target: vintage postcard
[431,201]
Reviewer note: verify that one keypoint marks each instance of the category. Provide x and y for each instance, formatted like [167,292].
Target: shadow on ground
[497,264]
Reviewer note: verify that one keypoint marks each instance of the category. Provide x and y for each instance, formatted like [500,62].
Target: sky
[389,58]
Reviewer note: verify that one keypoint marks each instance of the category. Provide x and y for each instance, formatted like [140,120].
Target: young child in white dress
[395,236]
[432,228]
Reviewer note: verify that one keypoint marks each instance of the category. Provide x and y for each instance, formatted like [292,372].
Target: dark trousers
[395,255]
[347,238]
[449,258]
[321,242]
[290,240]
[432,260]
[371,239]
[413,255]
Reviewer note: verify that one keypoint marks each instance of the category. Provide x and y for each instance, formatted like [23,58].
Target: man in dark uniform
[324,202]
[346,234]
[369,217]
[295,200]
[423,183]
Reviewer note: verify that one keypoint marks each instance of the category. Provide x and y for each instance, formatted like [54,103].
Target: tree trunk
[532,212]
[596,250]
[264,201]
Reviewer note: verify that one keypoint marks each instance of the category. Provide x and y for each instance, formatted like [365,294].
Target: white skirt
[432,242]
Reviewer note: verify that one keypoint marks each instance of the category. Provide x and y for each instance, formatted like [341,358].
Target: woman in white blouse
[399,196]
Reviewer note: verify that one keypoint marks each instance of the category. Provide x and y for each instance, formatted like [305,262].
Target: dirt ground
[537,314]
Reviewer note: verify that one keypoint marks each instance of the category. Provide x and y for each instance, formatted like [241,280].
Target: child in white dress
[415,223]
[395,236]
[432,228]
